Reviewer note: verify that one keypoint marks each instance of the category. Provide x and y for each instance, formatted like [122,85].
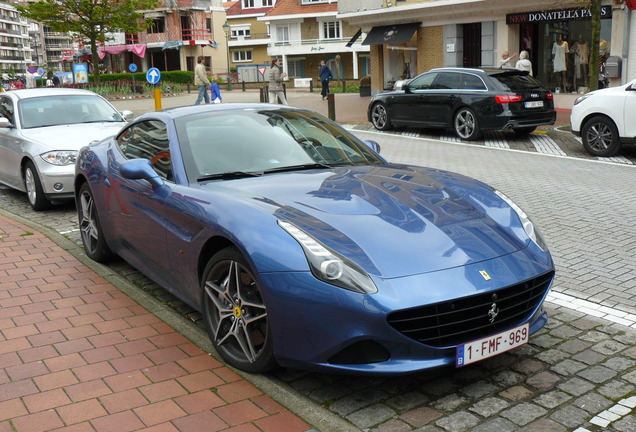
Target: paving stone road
[577,374]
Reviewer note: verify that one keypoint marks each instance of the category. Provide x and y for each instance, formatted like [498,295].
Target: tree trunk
[595,9]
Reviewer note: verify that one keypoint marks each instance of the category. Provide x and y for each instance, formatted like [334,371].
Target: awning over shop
[139,49]
[172,45]
[391,34]
[354,38]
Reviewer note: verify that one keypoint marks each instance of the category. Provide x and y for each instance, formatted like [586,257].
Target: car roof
[490,70]
[43,92]
[183,111]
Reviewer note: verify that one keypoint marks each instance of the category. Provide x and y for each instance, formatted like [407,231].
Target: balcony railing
[310,42]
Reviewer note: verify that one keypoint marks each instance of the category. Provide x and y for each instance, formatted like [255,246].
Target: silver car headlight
[329,266]
[528,225]
[60,157]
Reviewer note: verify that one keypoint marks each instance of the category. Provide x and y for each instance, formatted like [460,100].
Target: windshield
[265,141]
[66,109]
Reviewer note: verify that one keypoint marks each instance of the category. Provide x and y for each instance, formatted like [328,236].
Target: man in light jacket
[201,81]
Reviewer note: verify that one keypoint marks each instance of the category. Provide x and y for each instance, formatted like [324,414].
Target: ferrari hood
[394,221]
[72,137]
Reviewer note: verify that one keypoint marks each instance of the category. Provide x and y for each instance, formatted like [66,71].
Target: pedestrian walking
[524,62]
[201,81]
[276,91]
[325,77]
[215,92]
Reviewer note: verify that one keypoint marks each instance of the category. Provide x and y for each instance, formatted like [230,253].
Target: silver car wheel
[235,314]
[90,233]
[380,117]
[465,124]
[599,137]
[29,183]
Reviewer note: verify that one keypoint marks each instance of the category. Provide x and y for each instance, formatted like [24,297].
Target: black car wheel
[380,117]
[521,131]
[466,125]
[90,228]
[235,314]
[34,189]
[600,137]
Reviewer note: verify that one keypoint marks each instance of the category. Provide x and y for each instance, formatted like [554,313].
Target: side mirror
[127,115]
[140,169]
[373,146]
[5,123]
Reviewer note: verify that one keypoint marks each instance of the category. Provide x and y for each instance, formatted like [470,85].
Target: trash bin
[613,67]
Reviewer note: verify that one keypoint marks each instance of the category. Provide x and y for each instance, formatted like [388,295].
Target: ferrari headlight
[60,157]
[527,224]
[329,266]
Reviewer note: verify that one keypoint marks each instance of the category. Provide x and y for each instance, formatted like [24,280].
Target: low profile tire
[34,189]
[465,125]
[235,314]
[600,137]
[523,131]
[380,117]
[90,229]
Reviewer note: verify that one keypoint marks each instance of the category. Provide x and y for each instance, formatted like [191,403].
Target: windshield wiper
[298,167]
[229,175]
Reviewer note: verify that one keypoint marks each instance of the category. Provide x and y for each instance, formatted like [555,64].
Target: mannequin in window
[559,63]
[581,51]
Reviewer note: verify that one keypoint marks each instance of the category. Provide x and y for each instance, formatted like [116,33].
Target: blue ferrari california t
[303,247]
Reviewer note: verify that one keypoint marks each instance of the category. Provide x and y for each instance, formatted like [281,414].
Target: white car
[41,132]
[604,119]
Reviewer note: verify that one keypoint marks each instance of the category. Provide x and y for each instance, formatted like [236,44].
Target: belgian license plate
[534,104]
[490,346]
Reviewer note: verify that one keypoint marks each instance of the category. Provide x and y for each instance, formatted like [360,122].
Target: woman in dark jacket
[325,76]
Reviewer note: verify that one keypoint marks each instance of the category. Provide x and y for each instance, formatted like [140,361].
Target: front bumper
[314,323]
[57,181]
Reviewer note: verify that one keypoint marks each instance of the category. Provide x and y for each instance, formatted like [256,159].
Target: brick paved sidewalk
[77,354]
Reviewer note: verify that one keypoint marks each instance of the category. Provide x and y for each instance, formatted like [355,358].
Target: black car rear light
[549,95]
[507,98]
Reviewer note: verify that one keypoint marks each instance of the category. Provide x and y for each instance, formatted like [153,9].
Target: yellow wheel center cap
[237,311]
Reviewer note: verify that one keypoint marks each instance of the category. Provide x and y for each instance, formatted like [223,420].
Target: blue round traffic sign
[132,67]
[153,75]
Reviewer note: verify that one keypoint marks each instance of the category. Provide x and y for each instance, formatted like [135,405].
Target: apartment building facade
[304,32]
[181,31]
[15,43]
[412,36]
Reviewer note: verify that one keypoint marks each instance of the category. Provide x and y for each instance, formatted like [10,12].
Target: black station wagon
[467,101]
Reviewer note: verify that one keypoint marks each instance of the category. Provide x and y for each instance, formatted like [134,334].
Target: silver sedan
[41,131]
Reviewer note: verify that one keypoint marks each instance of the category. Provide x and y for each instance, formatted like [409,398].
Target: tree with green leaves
[91,19]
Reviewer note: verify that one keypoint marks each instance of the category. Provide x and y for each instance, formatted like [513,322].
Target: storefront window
[565,53]
[559,45]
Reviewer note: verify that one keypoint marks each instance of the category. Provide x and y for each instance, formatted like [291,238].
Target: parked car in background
[604,119]
[467,101]
[41,131]
[303,247]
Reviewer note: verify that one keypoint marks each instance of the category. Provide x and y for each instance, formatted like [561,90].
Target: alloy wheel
[236,315]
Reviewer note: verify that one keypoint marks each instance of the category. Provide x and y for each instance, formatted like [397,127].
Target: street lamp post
[226,29]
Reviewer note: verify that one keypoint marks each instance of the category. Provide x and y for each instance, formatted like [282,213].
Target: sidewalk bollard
[243,85]
[311,86]
[331,106]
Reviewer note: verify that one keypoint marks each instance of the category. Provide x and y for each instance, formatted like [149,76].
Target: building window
[268,3]
[240,32]
[208,25]
[316,1]
[158,25]
[295,67]
[248,4]
[282,34]
[241,56]
[331,30]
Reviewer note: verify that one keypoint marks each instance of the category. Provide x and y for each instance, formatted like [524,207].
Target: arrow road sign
[153,75]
